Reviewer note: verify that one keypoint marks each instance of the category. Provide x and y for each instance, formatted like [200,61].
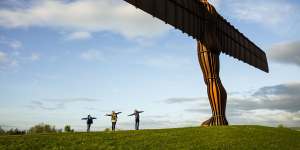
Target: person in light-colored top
[114,118]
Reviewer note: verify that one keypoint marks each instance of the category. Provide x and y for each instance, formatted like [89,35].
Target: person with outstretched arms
[89,121]
[114,118]
[136,113]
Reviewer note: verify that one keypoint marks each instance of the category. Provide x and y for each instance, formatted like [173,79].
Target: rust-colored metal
[214,35]
[190,16]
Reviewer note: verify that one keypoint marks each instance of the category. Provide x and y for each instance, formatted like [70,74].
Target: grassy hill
[231,138]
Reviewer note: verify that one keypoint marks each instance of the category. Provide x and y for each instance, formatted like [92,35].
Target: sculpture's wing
[237,45]
[189,17]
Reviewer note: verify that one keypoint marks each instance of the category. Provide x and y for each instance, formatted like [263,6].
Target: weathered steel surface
[191,17]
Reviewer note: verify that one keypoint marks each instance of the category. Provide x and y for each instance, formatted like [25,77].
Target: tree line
[39,128]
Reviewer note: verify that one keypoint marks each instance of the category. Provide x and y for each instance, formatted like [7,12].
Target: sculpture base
[215,121]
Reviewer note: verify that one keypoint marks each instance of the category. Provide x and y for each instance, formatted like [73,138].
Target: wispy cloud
[89,15]
[79,36]
[7,61]
[14,44]
[92,55]
[13,59]
[182,100]
[43,106]
[57,103]
[287,53]
[3,57]
[35,57]
[265,12]
[272,15]
[68,100]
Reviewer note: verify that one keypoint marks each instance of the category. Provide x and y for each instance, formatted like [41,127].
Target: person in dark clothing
[89,121]
[137,118]
[114,118]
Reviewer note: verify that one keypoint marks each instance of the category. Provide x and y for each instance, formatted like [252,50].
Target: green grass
[231,138]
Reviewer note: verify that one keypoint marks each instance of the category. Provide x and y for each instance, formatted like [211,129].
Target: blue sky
[63,60]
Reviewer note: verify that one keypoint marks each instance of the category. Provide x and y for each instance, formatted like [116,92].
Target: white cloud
[287,53]
[14,63]
[34,57]
[3,57]
[11,59]
[92,55]
[266,12]
[15,44]
[89,15]
[79,35]
[7,60]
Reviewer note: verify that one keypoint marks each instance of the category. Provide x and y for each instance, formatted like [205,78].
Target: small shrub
[68,128]
[106,129]
[280,126]
[1,131]
[59,130]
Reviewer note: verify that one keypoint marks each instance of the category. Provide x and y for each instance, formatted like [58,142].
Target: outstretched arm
[118,113]
[84,118]
[108,115]
[131,114]
[140,111]
[94,118]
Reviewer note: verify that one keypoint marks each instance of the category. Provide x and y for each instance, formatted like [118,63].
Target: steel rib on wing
[190,15]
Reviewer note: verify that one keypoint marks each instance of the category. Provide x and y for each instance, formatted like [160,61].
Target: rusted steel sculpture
[214,35]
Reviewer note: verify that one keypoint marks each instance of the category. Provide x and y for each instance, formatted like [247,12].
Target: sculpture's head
[89,116]
[113,112]
[135,110]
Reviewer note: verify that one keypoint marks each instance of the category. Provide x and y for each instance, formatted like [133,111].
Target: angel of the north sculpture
[214,35]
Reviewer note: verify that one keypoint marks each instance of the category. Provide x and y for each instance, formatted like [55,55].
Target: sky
[61,60]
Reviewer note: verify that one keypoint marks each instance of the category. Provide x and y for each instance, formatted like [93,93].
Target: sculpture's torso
[210,35]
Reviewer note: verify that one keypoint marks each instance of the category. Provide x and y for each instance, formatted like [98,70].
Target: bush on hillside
[43,128]
[280,126]
[68,128]
[1,131]
[107,129]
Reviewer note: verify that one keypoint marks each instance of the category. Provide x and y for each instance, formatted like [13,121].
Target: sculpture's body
[214,35]
[208,55]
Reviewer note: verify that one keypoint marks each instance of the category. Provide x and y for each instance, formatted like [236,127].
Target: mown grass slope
[231,138]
